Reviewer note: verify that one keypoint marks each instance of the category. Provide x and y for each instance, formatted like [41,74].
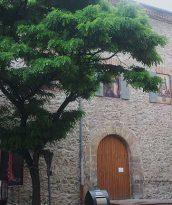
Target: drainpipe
[48,156]
[81,156]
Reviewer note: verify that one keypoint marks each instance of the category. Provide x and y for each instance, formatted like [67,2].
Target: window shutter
[17,170]
[11,168]
[100,91]
[124,89]
[153,97]
[171,84]
[171,88]
[3,165]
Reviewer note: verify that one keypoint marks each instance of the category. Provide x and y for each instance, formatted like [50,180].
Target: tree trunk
[34,172]
[32,162]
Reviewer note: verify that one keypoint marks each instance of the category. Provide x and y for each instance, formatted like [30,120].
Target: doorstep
[141,202]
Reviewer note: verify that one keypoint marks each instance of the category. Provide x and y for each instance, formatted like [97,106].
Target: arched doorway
[113,167]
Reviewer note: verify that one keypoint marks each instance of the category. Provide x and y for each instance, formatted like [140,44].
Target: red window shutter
[11,162]
[3,165]
[11,168]
[17,170]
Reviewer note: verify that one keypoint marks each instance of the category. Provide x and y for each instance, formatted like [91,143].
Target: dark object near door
[97,197]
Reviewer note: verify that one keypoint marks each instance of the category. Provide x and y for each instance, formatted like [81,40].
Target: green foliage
[62,46]
[139,78]
[17,138]
[73,5]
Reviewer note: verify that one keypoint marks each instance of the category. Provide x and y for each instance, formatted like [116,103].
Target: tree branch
[95,53]
[68,99]
[98,51]
[11,85]
[27,157]
[109,57]
[9,96]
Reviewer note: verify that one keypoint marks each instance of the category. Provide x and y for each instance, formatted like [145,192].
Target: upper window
[164,93]
[117,89]
[112,89]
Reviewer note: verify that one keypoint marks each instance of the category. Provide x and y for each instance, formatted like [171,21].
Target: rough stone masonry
[145,127]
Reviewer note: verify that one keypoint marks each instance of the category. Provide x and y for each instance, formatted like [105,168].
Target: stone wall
[146,127]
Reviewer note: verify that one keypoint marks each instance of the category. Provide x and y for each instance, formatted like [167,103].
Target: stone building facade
[143,124]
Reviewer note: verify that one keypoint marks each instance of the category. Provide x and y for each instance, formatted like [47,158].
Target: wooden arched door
[113,168]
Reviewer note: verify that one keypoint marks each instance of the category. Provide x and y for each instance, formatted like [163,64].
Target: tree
[64,49]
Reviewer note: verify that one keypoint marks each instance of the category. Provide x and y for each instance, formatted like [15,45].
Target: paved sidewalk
[141,202]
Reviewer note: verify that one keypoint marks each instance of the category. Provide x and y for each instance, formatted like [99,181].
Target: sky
[163,4]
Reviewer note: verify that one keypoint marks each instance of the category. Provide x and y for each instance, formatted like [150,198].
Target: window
[164,93]
[11,168]
[117,89]
[112,89]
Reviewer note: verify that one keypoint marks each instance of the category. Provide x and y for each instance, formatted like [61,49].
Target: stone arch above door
[132,142]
